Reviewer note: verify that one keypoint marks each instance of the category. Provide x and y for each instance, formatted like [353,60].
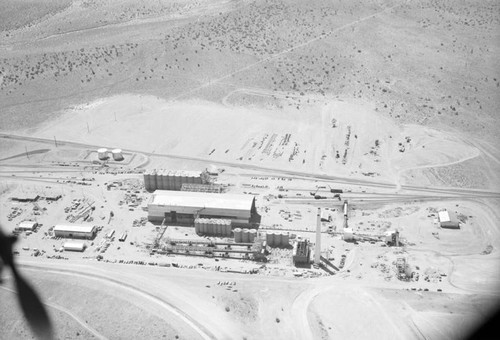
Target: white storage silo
[245,236]
[208,226]
[164,180]
[269,238]
[117,154]
[220,227]
[197,226]
[154,185]
[203,227]
[147,180]
[177,180]
[228,228]
[238,235]
[102,154]
[276,238]
[169,180]
[285,239]
[252,233]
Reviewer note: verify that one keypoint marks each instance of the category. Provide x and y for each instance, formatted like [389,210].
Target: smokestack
[317,252]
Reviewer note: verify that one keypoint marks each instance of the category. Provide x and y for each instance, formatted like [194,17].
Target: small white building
[348,234]
[75,231]
[74,246]
[27,226]
[447,221]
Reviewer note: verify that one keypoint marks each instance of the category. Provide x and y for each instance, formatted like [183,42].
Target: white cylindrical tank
[276,239]
[197,226]
[154,185]
[285,239]
[228,228]
[177,180]
[269,239]
[117,154]
[164,182]
[238,235]
[208,227]
[102,154]
[169,180]
[252,233]
[246,236]
[203,226]
[147,180]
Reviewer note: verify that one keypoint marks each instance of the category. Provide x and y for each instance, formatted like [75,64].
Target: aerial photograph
[249,169]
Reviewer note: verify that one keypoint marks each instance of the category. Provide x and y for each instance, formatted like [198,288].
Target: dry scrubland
[393,92]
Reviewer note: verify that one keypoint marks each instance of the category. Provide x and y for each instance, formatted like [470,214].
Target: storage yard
[251,170]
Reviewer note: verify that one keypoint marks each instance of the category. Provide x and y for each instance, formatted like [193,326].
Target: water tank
[238,235]
[177,180]
[203,226]
[269,238]
[153,180]
[228,228]
[169,183]
[117,154]
[165,182]
[276,239]
[252,233]
[245,236]
[147,180]
[285,239]
[197,226]
[102,154]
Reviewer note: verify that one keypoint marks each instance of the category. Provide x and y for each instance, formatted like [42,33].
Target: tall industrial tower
[317,251]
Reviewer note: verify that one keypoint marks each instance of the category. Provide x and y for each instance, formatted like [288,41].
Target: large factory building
[182,207]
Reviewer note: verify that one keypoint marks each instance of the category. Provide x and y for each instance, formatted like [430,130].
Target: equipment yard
[251,169]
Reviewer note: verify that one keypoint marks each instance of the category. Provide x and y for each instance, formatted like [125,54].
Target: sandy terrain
[395,102]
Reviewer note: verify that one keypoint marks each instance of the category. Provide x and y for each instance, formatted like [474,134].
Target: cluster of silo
[102,154]
[244,235]
[213,226]
[117,154]
[170,179]
[278,239]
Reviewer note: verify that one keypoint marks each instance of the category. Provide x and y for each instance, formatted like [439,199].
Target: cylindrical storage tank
[117,154]
[228,228]
[245,236]
[159,179]
[197,226]
[203,226]
[269,238]
[208,227]
[169,180]
[219,227]
[276,239]
[147,180]
[177,180]
[252,233]
[197,178]
[153,178]
[102,154]
[165,182]
[238,236]
[285,239]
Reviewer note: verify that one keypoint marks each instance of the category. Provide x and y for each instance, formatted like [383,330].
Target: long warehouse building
[75,231]
[182,207]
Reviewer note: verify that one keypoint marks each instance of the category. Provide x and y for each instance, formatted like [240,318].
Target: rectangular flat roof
[202,200]
[444,216]
[74,228]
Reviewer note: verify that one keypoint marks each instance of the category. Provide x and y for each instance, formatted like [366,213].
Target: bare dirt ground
[394,101]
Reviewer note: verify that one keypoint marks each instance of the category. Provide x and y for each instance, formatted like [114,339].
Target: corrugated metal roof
[444,216]
[202,200]
[74,228]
